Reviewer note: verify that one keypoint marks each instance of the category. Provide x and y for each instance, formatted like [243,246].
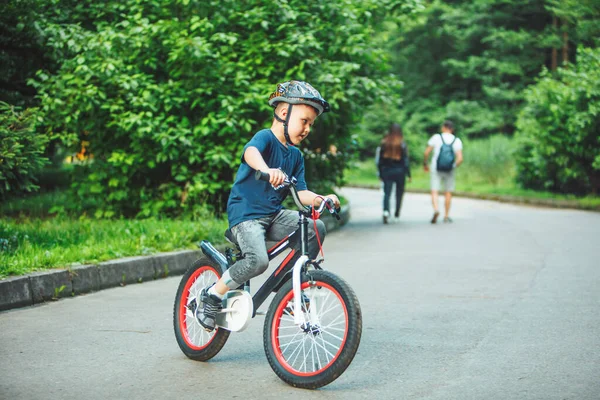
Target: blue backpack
[445,160]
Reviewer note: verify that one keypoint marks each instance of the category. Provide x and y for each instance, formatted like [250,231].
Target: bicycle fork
[297,289]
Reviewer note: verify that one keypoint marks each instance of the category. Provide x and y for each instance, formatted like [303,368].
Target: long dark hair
[391,144]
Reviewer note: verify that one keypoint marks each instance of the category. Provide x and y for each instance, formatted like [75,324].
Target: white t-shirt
[436,142]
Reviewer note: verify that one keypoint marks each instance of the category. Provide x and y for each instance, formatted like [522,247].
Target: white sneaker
[396,220]
[386,215]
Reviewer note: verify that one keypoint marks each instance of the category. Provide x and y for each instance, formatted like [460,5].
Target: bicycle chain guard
[237,311]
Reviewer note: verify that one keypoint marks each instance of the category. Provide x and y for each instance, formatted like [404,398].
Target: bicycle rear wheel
[194,341]
[317,352]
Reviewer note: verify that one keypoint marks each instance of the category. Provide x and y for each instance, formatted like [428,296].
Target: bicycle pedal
[260,312]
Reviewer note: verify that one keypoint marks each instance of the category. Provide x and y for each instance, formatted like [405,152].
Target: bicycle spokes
[313,345]
[194,333]
[193,340]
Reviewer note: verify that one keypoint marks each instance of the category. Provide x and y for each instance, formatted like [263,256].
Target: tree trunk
[565,49]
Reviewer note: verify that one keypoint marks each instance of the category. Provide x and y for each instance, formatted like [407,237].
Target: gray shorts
[443,180]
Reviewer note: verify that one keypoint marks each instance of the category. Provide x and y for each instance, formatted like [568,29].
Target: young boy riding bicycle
[254,207]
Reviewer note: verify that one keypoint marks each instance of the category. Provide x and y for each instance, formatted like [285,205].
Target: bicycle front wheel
[318,351]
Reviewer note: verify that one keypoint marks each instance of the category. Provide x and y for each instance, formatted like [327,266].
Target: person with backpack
[447,156]
[393,166]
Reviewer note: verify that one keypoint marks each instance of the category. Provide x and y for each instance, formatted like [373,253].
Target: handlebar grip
[262,176]
[334,208]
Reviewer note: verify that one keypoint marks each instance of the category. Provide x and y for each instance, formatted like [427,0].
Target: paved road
[502,304]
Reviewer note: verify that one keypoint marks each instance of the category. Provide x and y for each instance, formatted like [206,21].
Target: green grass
[28,245]
[471,180]
[44,231]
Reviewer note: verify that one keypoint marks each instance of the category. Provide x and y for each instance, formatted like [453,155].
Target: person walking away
[394,167]
[447,156]
[254,208]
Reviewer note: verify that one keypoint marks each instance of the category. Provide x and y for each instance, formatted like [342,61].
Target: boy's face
[302,119]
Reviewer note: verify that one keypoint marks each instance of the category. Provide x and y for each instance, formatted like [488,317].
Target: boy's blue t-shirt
[251,198]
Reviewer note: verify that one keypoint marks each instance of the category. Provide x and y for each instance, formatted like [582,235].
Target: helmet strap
[286,134]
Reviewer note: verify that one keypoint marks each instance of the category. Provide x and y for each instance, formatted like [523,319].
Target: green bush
[559,144]
[168,93]
[492,157]
[21,150]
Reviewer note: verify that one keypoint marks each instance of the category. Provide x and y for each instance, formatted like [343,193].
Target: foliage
[470,61]
[166,95]
[21,51]
[162,94]
[558,129]
[581,19]
[21,150]
[26,34]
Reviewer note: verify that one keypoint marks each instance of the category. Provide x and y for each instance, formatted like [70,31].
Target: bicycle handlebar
[262,176]
[291,183]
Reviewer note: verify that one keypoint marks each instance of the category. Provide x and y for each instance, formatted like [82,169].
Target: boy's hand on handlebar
[335,199]
[277,176]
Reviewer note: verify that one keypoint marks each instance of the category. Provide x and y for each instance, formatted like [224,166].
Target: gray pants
[252,236]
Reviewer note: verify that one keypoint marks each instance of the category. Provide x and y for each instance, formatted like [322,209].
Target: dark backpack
[445,160]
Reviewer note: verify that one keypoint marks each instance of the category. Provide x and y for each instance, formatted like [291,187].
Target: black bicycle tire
[351,343]
[221,335]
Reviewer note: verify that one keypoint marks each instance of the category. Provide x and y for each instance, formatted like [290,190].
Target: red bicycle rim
[276,328]
[183,327]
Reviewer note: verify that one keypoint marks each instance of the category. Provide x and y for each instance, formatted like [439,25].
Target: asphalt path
[503,303]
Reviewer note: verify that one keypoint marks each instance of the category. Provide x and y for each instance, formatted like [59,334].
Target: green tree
[559,144]
[167,93]
[470,61]
[21,51]
[25,30]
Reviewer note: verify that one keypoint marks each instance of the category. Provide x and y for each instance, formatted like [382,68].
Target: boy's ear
[283,110]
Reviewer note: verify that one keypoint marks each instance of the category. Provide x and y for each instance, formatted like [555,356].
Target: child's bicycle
[313,326]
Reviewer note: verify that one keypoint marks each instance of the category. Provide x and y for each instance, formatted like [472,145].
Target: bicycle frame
[281,274]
